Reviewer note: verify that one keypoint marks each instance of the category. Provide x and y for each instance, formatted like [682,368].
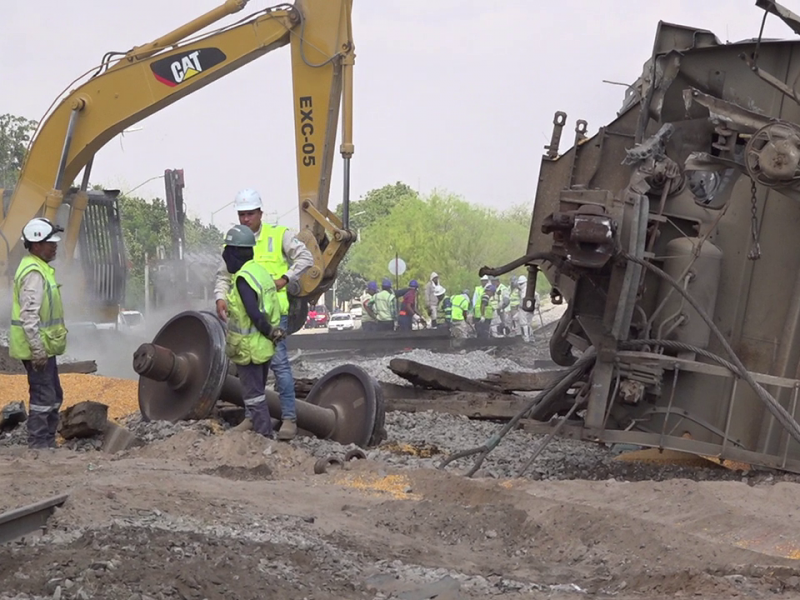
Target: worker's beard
[235,258]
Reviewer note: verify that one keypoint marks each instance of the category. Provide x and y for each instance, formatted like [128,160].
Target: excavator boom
[153,76]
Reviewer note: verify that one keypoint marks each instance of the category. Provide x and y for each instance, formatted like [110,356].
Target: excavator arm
[151,77]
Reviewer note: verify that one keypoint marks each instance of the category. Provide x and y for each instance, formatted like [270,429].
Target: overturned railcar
[672,235]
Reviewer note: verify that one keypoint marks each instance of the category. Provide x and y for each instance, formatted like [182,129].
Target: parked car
[356,310]
[341,322]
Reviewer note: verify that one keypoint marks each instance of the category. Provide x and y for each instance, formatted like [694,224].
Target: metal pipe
[316,419]
[347,147]
[62,165]
[346,196]
[173,37]
[87,172]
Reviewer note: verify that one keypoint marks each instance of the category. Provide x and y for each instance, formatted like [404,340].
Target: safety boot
[288,430]
[245,425]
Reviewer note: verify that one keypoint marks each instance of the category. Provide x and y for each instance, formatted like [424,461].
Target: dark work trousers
[484,329]
[404,322]
[384,326]
[254,380]
[368,325]
[46,397]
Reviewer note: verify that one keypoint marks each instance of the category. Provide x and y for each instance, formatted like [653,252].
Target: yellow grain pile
[121,395]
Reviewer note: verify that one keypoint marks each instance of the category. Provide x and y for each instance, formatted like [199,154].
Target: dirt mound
[231,449]
[123,563]
[240,473]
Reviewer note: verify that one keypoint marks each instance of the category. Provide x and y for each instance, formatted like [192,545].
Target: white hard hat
[485,278]
[248,199]
[522,280]
[439,290]
[41,230]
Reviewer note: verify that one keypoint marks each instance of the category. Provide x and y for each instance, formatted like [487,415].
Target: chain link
[755,249]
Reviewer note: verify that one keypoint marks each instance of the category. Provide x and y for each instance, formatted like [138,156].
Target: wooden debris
[117,439]
[467,404]
[524,382]
[84,367]
[12,415]
[437,379]
[85,419]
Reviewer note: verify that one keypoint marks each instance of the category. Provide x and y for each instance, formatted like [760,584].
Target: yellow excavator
[127,87]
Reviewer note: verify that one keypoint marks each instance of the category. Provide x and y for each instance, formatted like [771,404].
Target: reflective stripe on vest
[52,331]
[385,305]
[269,254]
[245,344]
[366,301]
[459,308]
[476,295]
[488,312]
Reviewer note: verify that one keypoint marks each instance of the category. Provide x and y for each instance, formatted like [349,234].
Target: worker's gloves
[483,319]
[277,335]
[39,360]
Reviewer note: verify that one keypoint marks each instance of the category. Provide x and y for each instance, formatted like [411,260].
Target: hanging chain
[755,249]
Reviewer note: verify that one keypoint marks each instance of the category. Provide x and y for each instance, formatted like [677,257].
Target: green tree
[349,285]
[15,135]
[441,233]
[376,204]
[364,212]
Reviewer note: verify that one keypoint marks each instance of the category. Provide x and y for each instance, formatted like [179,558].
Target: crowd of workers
[494,309]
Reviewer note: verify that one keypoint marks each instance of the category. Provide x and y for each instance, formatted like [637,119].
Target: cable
[781,414]
[514,264]
[550,437]
[543,399]
[303,41]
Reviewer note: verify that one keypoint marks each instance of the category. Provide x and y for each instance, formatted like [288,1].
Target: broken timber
[84,367]
[467,404]
[437,379]
[524,382]
[84,419]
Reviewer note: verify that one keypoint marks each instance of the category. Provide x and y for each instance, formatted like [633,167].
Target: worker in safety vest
[385,304]
[514,301]
[253,324]
[285,258]
[477,293]
[368,316]
[440,293]
[524,318]
[459,309]
[501,322]
[432,299]
[484,313]
[37,332]
[447,309]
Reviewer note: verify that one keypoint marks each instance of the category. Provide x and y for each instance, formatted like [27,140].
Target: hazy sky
[454,95]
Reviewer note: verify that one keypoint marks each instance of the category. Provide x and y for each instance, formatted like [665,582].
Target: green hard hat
[240,236]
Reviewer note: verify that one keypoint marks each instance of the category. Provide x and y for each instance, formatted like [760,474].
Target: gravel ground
[422,440]
[475,364]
